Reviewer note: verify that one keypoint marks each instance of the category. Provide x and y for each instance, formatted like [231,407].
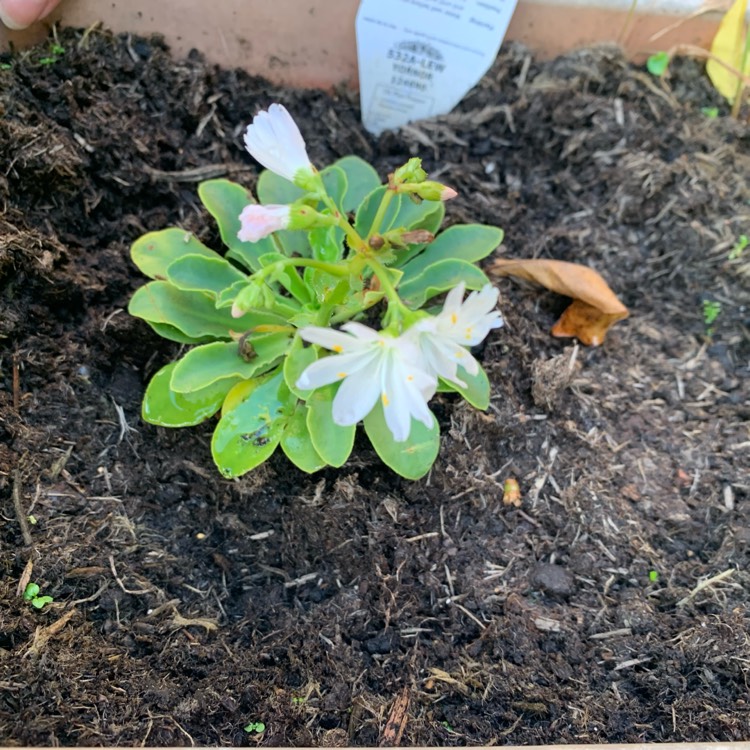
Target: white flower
[442,340]
[274,140]
[371,367]
[260,221]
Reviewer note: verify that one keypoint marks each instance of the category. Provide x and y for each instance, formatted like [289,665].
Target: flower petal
[357,395]
[334,368]
[330,338]
[258,222]
[274,140]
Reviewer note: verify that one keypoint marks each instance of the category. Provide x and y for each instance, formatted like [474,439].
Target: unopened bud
[411,172]
[376,242]
[434,191]
[251,296]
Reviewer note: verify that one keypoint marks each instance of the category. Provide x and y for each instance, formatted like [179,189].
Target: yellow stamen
[341,375]
[469,332]
[384,399]
[410,378]
[338,348]
[454,318]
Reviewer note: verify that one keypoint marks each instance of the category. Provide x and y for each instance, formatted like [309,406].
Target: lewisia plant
[321,313]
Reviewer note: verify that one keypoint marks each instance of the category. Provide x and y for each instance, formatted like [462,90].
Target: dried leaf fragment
[595,307]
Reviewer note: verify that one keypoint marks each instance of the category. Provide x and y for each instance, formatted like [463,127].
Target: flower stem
[398,312]
[380,214]
[335,269]
[352,236]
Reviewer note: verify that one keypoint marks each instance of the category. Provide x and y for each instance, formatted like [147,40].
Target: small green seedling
[55,52]
[739,247]
[710,112]
[31,595]
[32,520]
[711,311]
[447,725]
[255,727]
[658,63]
[653,576]
[298,700]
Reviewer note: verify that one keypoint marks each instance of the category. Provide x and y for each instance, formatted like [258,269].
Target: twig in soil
[43,635]
[631,663]
[610,634]
[704,585]
[455,604]
[124,426]
[20,512]
[197,174]
[134,592]
[93,596]
[428,535]
[397,719]
[16,384]
[23,581]
[307,578]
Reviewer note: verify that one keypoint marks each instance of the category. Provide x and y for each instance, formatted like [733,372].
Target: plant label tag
[418,58]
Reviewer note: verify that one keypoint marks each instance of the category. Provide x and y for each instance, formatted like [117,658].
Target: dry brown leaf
[595,307]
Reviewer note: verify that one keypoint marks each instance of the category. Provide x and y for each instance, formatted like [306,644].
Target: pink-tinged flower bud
[260,221]
[433,191]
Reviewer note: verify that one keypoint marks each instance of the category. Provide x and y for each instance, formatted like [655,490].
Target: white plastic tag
[418,58]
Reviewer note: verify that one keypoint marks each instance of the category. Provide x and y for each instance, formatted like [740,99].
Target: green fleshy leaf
[297,360]
[225,201]
[206,365]
[289,278]
[402,212]
[154,252]
[431,221]
[39,601]
[411,458]
[192,313]
[441,277]
[368,209]
[248,434]
[297,444]
[477,390]
[467,242]
[333,442]
[361,178]
[336,184]
[327,243]
[31,590]
[196,273]
[423,215]
[171,333]
[322,284]
[167,408]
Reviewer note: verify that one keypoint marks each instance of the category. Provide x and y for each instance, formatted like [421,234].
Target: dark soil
[329,606]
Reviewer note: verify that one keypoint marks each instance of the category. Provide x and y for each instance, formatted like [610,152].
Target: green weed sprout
[711,311]
[279,327]
[31,595]
[739,247]
[256,727]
